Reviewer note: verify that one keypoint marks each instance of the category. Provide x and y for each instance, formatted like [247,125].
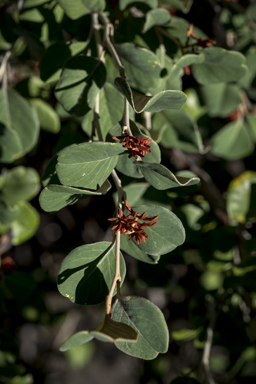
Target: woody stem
[117,277]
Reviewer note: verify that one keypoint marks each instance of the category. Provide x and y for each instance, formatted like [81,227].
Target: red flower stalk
[137,146]
[130,225]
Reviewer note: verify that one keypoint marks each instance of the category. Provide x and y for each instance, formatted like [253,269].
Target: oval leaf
[17,115]
[161,178]
[55,197]
[158,16]
[87,273]
[88,165]
[219,66]
[79,8]
[132,250]
[156,103]
[19,183]
[147,320]
[48,118]
[166,235]
[233,141]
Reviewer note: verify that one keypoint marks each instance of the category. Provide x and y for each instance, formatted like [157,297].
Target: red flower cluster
[137,146]
[129,225]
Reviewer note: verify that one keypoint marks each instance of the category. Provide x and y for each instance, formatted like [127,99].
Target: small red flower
[205,43]
[137,146]
[130,225]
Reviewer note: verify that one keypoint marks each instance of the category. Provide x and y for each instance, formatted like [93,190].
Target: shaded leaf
[233,141]
[19,183]
[80,82]
[181,131]
[87,273]
[124,3]
[109,330]
[251,121]
[158,16]
[55,197]
[134,192]
[147,320]
[142,67]
[88,165]
[21,120]
[161,178]
[166,235]
[221,99]
[132,250]
[79,8]
[219,66]
[110,111]
[162,100]
[48,118]
[7,214]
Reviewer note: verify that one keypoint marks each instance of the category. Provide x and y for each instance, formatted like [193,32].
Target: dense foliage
[139,120]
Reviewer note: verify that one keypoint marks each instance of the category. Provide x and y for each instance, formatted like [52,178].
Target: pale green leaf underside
[160,101]
[108,331]
[161,178]
[54,197]
[149,323]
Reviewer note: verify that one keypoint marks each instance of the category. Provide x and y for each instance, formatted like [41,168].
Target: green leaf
[54,59]
[7,214]
[48,118]
[239,195]
[110,111]
[79,8]
[219,66]
[55,197]
[181,131]
[80,82]
[156,103]
[251,121]
[87,273]
[187,60]
[158,16]
[109,330]
[21,120]
[247,80]
[178,28]
[186,334]
[124,3]
[19,183]
[148,321]
[166,235]
[233,141]
[142,67]
[10,145]
[88,165]
[32,15]
[126,165]
[25,225]
[161,178]
[129,247]
[180,5]
[221,99]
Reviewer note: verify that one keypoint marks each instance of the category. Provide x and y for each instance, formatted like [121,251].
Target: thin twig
[208,346]
[3,68]
[109,31]
[126,130]
[117,277]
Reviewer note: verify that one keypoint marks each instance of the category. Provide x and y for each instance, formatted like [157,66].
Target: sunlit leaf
[87,273]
